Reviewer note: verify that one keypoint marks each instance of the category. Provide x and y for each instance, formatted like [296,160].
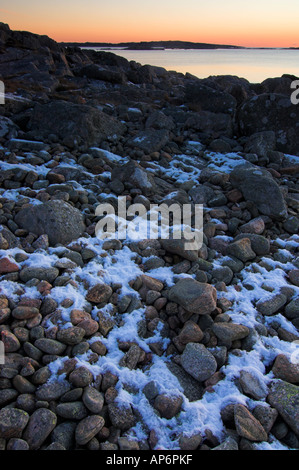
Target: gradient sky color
[261,23]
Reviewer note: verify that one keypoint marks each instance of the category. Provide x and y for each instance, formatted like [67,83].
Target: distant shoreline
[163,45]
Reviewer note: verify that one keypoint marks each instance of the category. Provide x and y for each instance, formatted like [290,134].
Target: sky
[251,23]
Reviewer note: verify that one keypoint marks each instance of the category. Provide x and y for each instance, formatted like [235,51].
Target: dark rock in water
[272,112]
[58,219]
[73,124]
[258,186]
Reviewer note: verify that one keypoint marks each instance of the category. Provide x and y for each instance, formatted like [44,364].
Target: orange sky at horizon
[261,24]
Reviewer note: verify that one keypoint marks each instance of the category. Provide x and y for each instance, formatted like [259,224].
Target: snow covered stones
[194,296]
[58,219]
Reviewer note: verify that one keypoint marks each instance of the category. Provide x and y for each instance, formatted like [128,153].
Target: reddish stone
[7,266]
[55,178]
[78,315]
[234,195]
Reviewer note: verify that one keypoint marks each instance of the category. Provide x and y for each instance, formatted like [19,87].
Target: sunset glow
[259,23]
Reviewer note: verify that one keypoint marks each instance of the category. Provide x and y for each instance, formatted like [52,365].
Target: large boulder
[194,296]
[150,140]
[58,219]
[73,124]
[97,72]
[258,186]
[137,176]
[272,112]
[210,123]
[205,98]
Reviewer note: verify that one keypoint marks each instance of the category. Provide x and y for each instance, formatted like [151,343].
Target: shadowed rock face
[59,220]
[272,112]
[73,124]
[258,186]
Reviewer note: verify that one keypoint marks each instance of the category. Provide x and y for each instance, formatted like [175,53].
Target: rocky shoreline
[143,345]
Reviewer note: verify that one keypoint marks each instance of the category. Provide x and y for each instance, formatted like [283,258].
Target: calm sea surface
[253,64]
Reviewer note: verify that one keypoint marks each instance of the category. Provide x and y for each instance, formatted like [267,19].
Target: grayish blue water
[253,64]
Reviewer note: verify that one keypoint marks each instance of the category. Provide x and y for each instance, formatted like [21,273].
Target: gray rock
[284,397]
[266,416]
[150,140]
[50,346]
[228,332]
[241,249]
[178,247]
[12,422]
[198,361]
[58,219]
[248,426]
[261,143]
[194,296]
[252,385]
[93,400]
[41,424]
[271,112]
[272,305]
[73,124]
[72,410]
[223,273]
[168,406]
[52,391]
[64,434]
[121,416]
[258,186]
[259,244]
[88,428]
[17,444]
[292,309]
[137,176]
[43,274]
